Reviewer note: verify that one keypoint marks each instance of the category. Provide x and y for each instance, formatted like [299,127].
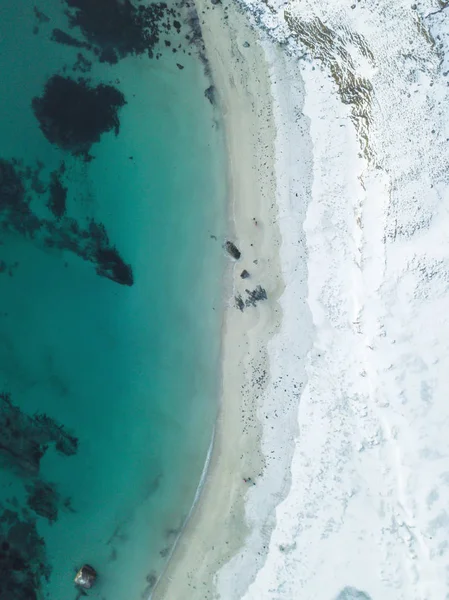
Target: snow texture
[363,351]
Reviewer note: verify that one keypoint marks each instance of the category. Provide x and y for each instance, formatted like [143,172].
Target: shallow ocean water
[130,371]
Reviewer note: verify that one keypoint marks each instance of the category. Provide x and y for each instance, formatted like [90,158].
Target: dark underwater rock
[36,183]
[232,250]
[24,440]
[43,499]
[107,259]
[82,64]
[112,266]
[12,190]
[58,195]
[23,560]
[14,205]
[91,243]
[61,37]
[128,29]
[73,115]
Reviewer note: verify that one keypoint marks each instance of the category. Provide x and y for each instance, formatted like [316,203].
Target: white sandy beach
[334,389]
[217,528]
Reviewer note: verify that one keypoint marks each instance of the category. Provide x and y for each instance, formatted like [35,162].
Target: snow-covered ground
[366,516]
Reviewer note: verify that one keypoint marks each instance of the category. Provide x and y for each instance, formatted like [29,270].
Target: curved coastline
[192,509]
[361,281]
[256,426]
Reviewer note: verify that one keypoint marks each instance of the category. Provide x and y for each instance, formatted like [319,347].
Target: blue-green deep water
[110,291]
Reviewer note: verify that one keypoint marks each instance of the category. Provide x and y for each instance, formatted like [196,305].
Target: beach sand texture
[220,522]
[334,389]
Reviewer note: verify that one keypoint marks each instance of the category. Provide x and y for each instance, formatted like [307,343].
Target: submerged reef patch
[15,212]
[24,440]
[73,114]
[131,29]
[90,243]
[43,499]
[128,29]
[61,37]
[83,65]
[23,560]
[58,194]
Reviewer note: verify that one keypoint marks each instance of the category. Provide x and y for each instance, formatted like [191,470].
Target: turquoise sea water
[129,371]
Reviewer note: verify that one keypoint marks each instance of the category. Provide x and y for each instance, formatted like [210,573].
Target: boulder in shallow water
[86,577]
[232,249]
